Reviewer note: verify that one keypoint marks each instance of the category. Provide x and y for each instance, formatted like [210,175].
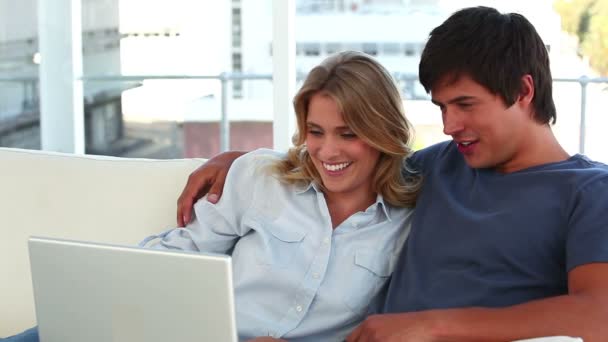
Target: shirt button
[299,308]
[315,275]
[325,241]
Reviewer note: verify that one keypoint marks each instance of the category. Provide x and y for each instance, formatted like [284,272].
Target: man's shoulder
[423,159]
[436,149]
[587,172]
[585,163]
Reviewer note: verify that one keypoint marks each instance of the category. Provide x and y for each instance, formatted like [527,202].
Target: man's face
[486,132]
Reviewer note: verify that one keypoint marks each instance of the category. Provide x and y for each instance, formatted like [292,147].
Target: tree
[587,20]
[572,13]
[595,44]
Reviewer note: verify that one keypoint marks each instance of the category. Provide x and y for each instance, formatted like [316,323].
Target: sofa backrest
[102,199]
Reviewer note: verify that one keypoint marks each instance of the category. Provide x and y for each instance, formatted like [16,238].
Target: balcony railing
[30,89]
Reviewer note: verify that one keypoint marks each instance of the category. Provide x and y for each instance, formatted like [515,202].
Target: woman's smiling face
[345,162]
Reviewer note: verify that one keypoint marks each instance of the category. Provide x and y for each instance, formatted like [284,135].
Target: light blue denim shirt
[294,276]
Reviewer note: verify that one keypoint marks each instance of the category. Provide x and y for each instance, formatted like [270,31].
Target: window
[410,50]
[370,48]
[331,48]
[311,49]
[391,49]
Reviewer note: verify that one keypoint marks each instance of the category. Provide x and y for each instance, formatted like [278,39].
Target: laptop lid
[97,292]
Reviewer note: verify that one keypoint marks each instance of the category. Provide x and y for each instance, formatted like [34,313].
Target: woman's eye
[349,135]
[315,133]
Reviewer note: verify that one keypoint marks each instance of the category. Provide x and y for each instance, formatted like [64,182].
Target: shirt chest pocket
[367,273]
[277,243]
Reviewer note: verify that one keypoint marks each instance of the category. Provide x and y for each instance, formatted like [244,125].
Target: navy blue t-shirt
[483,238]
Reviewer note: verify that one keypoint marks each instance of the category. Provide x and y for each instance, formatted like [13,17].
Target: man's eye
[465,105]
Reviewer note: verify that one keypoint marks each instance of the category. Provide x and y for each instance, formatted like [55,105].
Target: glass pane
[596,122]
[175,119]
[192,38]
[19,58]
[156,90]
[370,26]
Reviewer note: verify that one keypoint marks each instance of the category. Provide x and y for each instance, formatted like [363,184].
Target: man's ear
[526,90]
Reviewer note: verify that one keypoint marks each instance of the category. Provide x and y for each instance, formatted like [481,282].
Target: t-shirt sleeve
[587,235]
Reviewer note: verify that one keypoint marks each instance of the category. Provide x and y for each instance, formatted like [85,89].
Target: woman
[314,233]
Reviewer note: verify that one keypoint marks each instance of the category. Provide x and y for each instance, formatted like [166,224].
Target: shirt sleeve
[217,227]
[587,235]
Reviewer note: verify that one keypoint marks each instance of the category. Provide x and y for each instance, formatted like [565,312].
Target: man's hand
[406,327]
[208,178]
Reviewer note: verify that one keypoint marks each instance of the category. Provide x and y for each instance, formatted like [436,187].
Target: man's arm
[216,227]
[581,313]
[208,178]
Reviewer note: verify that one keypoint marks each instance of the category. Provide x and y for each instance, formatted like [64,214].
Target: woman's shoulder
[256,167]
[256,161]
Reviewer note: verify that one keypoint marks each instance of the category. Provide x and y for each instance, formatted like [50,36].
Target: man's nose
[452,123]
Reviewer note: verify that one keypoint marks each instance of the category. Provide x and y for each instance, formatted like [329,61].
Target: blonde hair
[371,106]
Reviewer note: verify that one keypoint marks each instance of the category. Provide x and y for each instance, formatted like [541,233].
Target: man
[510,234]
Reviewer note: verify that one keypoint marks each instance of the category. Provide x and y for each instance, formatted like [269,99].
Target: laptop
[97,292]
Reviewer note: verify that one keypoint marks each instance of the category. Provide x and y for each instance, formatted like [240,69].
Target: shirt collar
[379,204]
[385,209]
[302,188]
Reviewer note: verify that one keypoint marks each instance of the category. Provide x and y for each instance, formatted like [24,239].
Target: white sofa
[93,198]
[103,199]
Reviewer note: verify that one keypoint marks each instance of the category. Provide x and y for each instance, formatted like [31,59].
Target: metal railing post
[224,123]
[584,80]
